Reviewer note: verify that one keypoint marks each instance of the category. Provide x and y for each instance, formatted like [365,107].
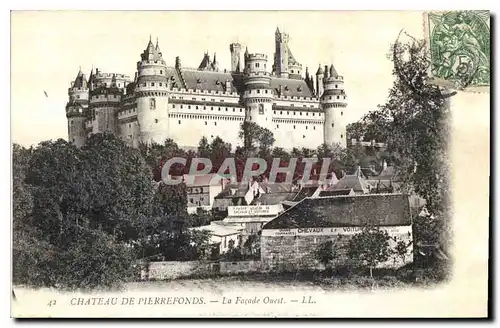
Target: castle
[186,104]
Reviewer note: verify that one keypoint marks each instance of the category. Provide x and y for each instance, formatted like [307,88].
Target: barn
[291,239]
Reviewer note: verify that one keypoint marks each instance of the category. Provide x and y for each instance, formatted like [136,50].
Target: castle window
[212,99]
[181,106]
[306,127]
[304,105]
[338,97]
[314,128]
[234,109]
[241,110]
[333,125]
[274,112]
[341,113]
[294,126]
[307,114]
[144,84]
[294,113]
[189,106]
[300,113]
[336,86]
[161,84]
[152,103]
[341,136]
[226,109]
[292,71]
[292,105]
[194,98]
[179,121]
[256,64]
[261,109]
[196,107]
[265,90]
[330,97]
[215,123]
[130,125]
[161,72]
[206,123]
[222,100]
[277,126]
[202,98]
[287,113]
[156,120]
[173,106]
[152,84]
[219,109]
[281,112]
[258,91]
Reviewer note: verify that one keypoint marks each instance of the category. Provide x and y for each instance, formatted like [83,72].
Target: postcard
[250,164]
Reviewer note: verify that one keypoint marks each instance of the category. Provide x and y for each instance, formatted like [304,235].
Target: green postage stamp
[459,47]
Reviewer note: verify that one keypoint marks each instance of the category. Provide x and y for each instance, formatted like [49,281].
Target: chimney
[177,62]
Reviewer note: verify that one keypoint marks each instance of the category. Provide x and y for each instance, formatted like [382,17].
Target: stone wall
[294,252]
[179,269]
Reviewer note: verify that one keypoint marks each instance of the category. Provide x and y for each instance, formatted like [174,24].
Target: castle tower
[320,74]
[106,91]
[151,96]
[334,101]
[258,95]
[76,109]
[281,54]
[235,49]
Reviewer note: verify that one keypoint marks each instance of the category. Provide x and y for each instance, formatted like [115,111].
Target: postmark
[459,48]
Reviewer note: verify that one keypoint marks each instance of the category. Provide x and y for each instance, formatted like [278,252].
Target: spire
[333,71]
[277,30]
[307,73]
[246,51]
[320,70]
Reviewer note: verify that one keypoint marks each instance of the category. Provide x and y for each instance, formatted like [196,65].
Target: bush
[95,260]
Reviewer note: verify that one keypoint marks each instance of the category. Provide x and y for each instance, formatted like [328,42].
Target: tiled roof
[339,192]
[206,80]
[274,198]
[346,211]
[234,190]
[290,87]
[355,182]
[173,77]
[305,192]
[217,230]
[203,180]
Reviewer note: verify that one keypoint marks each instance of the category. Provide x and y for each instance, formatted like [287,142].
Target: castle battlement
[101,75]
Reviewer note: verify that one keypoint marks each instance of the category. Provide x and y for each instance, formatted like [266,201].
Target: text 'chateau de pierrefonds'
[186,104]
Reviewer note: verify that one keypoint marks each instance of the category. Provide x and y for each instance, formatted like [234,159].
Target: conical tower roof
[320,70]
[333,71]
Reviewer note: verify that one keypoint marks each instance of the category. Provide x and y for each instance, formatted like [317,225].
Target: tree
[256,137]
[204,148]
[369,248]
[401,250]
[416,122]
[326,253]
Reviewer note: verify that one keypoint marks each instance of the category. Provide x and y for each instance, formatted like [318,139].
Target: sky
[49,47]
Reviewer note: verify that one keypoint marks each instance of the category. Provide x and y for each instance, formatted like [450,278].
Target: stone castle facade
[186,104]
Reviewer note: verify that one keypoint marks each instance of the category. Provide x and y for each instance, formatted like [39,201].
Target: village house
[290,240]
[222,235]
[202,190]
